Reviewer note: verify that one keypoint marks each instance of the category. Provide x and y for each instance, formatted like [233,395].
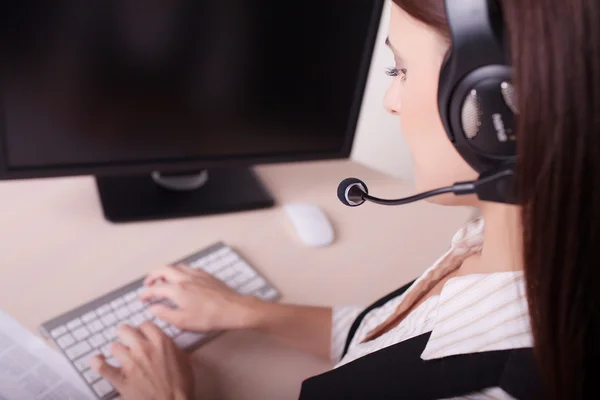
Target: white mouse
[311,224]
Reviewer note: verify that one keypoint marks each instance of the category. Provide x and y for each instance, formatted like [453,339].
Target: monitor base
[139,198]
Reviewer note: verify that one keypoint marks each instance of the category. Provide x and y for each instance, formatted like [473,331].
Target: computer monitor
[169,104]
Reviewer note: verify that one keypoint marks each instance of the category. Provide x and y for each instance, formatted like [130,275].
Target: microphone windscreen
[342,191]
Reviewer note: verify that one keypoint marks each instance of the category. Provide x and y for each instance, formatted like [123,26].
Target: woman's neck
[502,248]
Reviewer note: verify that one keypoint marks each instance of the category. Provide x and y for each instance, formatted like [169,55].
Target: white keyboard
[89,330]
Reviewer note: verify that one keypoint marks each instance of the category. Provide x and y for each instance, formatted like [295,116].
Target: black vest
[398,372]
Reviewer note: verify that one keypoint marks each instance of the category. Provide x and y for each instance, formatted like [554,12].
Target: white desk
[57,252]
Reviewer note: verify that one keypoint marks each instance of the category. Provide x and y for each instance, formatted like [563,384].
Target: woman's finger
[200,273]
[168,314]
[132,338]
[206,280]
[152,332]
[160,291]
[110,373]
[169,273]
[121,354]
[183,268]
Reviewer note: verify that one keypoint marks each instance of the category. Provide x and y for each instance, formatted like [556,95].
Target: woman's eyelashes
[395,72]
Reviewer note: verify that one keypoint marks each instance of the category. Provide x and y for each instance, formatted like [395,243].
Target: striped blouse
[473,313]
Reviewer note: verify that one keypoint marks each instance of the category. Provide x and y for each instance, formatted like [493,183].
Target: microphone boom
[353,192]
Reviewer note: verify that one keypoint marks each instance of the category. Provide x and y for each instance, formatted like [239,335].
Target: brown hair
[555,52]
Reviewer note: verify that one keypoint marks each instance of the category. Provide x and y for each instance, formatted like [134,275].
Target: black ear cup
[477,100]
[482,114]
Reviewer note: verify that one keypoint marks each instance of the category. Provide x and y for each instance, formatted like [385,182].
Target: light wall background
[379,143]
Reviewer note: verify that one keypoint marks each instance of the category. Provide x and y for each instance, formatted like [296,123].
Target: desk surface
[58,252]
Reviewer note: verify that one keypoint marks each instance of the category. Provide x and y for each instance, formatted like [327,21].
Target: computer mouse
[311,223]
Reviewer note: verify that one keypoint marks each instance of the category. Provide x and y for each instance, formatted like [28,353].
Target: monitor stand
[176,195]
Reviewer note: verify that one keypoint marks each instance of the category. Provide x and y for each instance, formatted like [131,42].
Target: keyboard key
[102,388]
[222,252]
[103,310]
[267,293]
[90,376]
[237,281]
[136,306]
[222,275]
[81,333]
[113,361]
[122,313]
[160,323]
[204,261]
[220,263]
[109,319]
[84,362]
[262,280]
[175,330]
[129,297]
[57,332]
[117,303]
[87,318]
[232,273]
[74,324]
[169,332]
[242,265]
[65,341]
[231,284]
[188,339]
[78,350]
[238,268]
[147,315]
[249,274]
[140,290]
[95,326]
[126,321]
[253,285]
[231,258]
[211,269]
[246,271]
[106,350]
[110,334]
[137,320]
[97,340]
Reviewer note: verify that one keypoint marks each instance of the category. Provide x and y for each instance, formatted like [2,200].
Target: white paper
[32,370]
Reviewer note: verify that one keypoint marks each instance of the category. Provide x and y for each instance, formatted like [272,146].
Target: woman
[467,326]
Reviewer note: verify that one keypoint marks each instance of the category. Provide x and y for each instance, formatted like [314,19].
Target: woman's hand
[151,366]
[203,303]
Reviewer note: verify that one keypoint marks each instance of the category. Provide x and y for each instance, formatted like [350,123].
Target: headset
[477,105]
[476,97]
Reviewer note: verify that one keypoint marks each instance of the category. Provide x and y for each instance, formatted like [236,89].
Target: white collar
[475,313]
[478,313]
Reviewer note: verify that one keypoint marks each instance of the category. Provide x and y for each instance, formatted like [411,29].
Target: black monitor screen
[117,81]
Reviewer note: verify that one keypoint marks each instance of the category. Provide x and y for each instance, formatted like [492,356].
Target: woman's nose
[392,100]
